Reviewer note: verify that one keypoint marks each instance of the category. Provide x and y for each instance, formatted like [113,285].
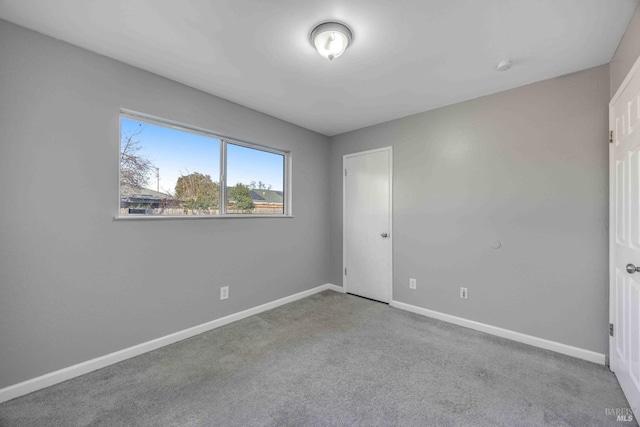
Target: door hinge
[610,136]
[610,329]
[345,271]
[345,172]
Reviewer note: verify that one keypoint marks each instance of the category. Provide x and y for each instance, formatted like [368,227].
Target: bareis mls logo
[620,414]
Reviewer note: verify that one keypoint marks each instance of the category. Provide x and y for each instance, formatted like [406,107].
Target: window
[169,170]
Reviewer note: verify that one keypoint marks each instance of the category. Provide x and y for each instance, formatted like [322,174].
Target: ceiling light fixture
[331,39]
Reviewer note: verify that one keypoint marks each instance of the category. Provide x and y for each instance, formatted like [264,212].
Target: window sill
[230,216]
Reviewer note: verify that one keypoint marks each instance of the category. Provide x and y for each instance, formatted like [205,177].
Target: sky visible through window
[177,152]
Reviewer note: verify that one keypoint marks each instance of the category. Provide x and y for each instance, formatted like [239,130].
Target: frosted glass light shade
[331,39]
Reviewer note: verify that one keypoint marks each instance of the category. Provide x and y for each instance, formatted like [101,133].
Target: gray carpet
[333,360]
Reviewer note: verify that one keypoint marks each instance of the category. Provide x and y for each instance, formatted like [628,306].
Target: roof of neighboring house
[130,191]
[263,196]
[267,196]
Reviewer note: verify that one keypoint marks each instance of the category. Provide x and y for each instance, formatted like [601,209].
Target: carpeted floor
[333,360]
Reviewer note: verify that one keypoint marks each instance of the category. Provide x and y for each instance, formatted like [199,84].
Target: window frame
[222,178]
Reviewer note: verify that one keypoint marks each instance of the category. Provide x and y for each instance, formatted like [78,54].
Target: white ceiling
[407,56]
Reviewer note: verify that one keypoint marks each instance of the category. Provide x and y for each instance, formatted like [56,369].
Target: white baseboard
[64,374]
[579,353]
[336,288]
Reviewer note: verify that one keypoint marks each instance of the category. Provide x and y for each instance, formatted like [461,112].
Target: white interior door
[367,224]
[624,178]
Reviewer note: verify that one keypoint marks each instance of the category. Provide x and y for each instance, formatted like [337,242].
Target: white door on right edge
[624,236]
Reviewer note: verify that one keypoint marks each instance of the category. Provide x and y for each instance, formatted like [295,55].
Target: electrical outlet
[464,293]
[224,292]
[412,283]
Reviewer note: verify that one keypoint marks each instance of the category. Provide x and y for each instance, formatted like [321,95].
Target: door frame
[345,157]
[612,232]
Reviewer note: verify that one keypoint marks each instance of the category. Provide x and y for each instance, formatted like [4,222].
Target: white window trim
[287,164]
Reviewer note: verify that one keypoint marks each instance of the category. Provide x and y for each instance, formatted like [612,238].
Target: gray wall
[527,167]
[627,53]
[74,283]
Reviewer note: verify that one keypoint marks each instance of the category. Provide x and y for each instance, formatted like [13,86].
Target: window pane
[166,171]
[255,181]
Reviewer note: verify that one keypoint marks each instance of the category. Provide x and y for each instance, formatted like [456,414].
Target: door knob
[384,235]
[632,269]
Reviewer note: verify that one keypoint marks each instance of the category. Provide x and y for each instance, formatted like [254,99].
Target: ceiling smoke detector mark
[504,65]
